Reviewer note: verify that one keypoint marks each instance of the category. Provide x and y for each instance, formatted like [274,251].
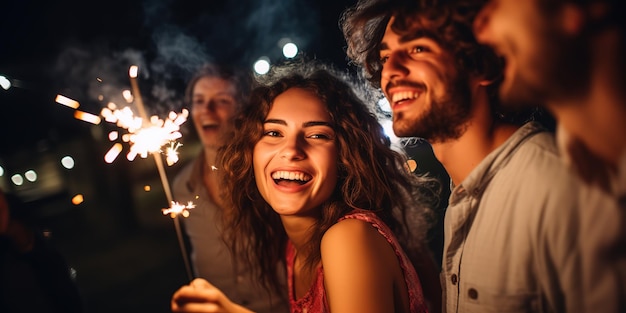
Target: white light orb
[31,175]
[67,162]
[17,179]
[5,83]
[290,50]
[262,66]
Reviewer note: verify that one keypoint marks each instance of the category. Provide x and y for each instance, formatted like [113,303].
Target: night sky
[82,49]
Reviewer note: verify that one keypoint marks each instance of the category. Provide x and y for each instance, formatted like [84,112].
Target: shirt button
[454,279]
[472,293]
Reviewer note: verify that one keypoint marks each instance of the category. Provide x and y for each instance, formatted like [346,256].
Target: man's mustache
[404,83]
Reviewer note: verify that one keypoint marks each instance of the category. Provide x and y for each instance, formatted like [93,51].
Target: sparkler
[150,138]
[146,136]
[176,208]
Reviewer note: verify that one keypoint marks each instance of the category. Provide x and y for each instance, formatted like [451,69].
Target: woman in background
[213,95]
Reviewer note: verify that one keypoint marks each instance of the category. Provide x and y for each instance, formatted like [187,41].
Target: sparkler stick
[159,163]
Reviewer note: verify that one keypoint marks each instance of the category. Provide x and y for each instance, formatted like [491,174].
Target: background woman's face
[213,105]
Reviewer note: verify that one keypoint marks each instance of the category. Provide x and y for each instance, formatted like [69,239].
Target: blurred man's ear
[485,82]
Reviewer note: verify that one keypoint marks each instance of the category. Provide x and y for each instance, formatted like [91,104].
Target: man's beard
[445,120]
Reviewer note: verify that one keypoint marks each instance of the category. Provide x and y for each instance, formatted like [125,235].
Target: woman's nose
[292,149]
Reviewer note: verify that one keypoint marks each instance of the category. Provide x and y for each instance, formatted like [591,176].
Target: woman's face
[295,162]
[213,106]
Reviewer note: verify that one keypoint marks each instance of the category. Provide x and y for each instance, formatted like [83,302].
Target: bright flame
[177,208]
[87,117]
[67,101]
[132,71]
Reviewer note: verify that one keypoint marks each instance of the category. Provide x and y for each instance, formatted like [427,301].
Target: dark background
[125,253]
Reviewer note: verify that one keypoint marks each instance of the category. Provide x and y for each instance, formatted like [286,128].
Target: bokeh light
[5,83]
[31,175]
[67,162]
[17,179]
[262,66]
[290,50]
[77,199]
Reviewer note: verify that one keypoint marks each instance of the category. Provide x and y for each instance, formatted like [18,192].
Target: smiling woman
[295,159]
[328,200]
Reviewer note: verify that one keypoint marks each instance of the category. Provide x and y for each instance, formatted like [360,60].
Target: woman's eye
[224,102]
[320,136]
[384,59]
[271,133]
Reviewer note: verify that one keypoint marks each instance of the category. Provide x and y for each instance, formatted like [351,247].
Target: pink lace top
[314,301]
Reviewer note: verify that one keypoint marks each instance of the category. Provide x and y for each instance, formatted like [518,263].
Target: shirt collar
[480,176]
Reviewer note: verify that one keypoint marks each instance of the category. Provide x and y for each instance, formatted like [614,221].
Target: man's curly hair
[449,22]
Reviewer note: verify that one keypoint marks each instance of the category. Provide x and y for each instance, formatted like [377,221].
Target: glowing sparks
[178,209]
[171,153]
[112,154]
[87,117]
[128,96]
[67,101]
[147,137]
